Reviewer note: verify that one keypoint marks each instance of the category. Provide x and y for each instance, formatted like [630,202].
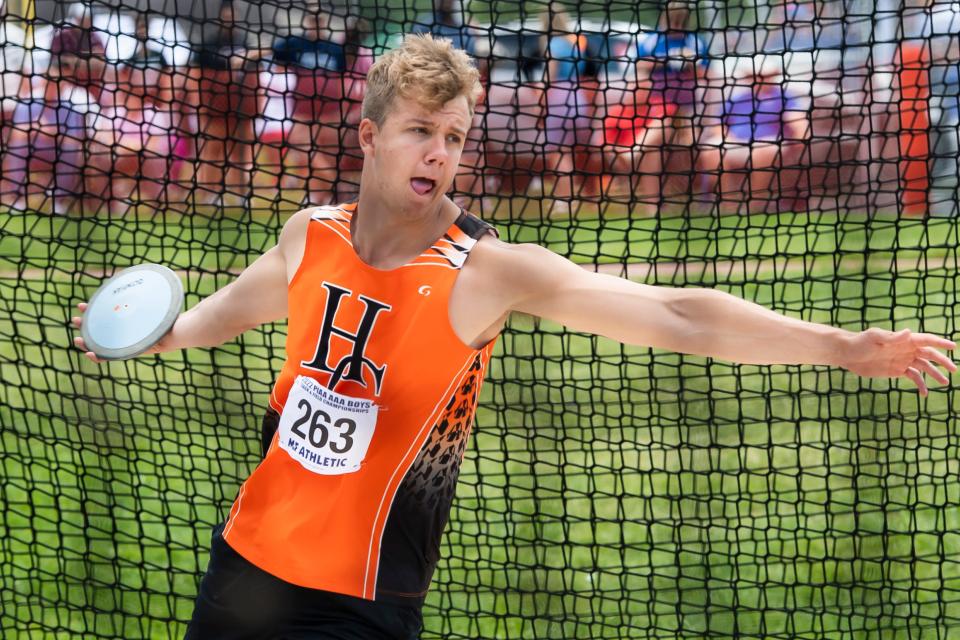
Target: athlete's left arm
[704,321]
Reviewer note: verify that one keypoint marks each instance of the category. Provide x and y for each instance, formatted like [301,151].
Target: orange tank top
[374,406]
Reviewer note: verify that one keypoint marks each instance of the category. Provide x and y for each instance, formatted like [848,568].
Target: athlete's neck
[387,238]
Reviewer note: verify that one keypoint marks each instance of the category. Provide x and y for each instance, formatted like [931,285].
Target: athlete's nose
[437,153]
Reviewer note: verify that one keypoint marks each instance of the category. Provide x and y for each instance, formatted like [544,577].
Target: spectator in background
[446,21]
[225,46]
[567,119]
[359,60]
[320,62]
[273,124]
[44,141]
[684,54]
[566,50]
[530,48]
[933,26]
[82,46]
[295,78]
[634,126]
[359,57]
[132,143]
[149,52]
[945,134]
[164,58]
[683,51]
[762,132]
[762,112]
[13,40]
[227,106]
[314,47]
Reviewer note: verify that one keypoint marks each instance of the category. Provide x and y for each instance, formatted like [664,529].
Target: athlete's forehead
[454,115]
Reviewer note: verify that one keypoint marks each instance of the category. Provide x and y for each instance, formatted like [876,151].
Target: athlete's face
[416,153]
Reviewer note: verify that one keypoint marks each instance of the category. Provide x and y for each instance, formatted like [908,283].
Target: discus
[131,311]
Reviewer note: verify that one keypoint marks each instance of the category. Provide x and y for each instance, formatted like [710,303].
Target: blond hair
[429,71]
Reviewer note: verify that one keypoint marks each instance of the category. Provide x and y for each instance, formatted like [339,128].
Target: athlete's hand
[876,353]
[78,342]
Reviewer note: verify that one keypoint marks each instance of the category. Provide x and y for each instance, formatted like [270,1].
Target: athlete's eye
[454,138]
[420,130]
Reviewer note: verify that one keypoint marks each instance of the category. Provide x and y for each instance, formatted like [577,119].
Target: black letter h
[350,367]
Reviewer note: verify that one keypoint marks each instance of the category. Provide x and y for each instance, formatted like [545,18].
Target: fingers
[78,320]
[914,376]
[924,366]
[80,344]
[928,357]
[929,340]
[929,353]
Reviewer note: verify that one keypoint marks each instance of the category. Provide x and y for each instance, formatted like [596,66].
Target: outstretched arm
[707,322]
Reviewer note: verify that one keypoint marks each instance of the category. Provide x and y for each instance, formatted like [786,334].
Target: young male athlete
[393,305]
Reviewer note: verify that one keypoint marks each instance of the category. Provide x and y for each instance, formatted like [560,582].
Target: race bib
[325,431]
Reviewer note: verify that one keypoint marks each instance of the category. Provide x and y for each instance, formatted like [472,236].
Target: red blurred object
[318,94]
[914,75]
[225,93]
[625,123]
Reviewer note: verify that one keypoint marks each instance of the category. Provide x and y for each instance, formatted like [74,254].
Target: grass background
[608,492]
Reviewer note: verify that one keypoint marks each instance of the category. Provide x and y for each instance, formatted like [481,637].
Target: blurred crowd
[81,128]
[223,118]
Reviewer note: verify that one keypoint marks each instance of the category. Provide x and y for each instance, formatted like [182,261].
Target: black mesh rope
[800,154]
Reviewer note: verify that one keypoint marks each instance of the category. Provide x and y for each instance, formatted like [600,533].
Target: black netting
[799,154]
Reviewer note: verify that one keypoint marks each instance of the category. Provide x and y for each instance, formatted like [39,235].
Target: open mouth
[423,186]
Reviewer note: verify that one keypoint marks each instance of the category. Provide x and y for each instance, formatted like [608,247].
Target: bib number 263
[326,432]
[314,427]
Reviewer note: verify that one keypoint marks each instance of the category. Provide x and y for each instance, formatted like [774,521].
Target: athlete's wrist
[840,350]
[170,342]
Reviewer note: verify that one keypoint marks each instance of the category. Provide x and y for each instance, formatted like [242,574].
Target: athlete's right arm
[257,296]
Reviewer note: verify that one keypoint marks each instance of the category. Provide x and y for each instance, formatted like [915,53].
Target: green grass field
[608,492]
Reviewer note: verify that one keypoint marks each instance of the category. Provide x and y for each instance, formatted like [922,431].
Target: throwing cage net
[800,154]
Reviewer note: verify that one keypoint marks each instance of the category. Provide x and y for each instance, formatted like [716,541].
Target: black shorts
[237,600]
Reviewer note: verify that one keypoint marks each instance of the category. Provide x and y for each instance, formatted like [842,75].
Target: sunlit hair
[428,71]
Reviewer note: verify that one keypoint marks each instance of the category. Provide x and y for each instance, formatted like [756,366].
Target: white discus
[131,311]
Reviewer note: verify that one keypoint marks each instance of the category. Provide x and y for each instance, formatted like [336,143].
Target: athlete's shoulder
[295,226]
[519,268]
[293,236]
[507,263]
[492,248]
[500,276]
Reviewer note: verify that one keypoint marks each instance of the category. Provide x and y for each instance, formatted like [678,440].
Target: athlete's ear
[367,131]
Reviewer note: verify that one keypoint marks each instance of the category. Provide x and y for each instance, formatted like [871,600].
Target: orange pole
[914,80]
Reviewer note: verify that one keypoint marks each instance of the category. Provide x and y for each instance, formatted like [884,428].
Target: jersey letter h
[350,366]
